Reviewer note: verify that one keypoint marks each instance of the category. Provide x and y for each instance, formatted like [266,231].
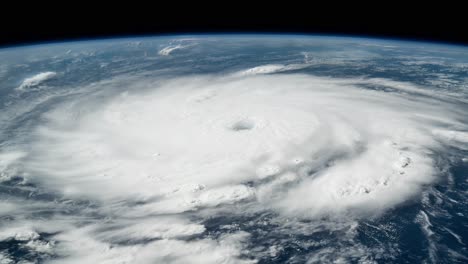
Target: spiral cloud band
[155,157]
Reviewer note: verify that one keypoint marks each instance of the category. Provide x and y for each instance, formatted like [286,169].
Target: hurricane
[231,160]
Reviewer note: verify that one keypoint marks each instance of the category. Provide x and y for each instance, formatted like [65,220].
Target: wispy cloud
[271,68]
[36,80]
[169,49]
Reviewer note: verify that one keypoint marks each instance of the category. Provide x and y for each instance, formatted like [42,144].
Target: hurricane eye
[242,125]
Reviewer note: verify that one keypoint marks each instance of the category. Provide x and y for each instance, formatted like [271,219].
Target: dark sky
[77,20]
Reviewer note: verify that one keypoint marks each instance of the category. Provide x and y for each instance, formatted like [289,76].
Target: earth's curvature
[234,149]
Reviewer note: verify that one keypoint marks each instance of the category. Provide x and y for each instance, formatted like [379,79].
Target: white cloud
[150,228]
[271,68]
[311,118]
[177,44]
[169,49]
[226,195]
[159,161]
[36,80]
[452,137]
[80,247]
[5,259]
[7,162]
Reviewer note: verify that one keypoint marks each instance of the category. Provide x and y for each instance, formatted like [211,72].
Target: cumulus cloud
[156,160]
[36,80]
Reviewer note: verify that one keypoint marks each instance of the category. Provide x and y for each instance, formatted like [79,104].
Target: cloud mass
[232,167]
[36,80]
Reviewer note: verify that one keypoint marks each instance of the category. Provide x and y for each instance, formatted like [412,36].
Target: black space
[76,20]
